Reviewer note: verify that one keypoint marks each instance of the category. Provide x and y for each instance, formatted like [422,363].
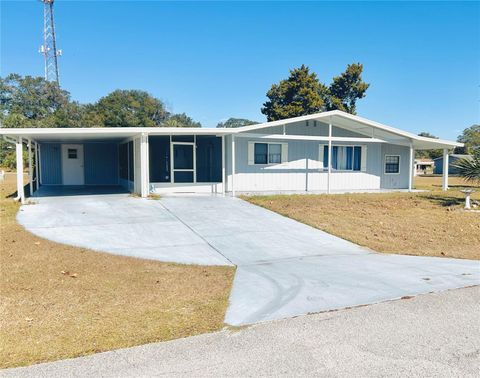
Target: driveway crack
[195,232]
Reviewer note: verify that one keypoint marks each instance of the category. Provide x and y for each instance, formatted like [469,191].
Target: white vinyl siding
[363,165]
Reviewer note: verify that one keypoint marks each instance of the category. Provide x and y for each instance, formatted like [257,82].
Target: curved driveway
[284,268]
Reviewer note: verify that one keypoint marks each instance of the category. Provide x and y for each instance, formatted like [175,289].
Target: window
[344,158]
[274,153]
[261,153]
[392,164]
[268,153]
[72,153]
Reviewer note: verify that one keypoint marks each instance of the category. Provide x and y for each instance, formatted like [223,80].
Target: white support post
[410,168]
[37,163]
[144,174]
[445,169]
[30,170]
[194,159]
[329,155]
[171,161]
[223,165]
[19,157]
[233,165]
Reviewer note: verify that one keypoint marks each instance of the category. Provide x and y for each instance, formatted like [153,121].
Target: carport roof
[103,133]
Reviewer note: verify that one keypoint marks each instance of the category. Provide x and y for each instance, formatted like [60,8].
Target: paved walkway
[435,335]
[284,268]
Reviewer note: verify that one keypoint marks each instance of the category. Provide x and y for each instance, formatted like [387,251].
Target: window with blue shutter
[344,158]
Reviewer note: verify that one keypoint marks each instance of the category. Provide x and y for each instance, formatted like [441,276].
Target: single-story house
[452,161]
[326,152]
[423,166]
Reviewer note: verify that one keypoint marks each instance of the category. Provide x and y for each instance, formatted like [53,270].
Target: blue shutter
[349,158]
[334,157]
[357,158]
[325,157]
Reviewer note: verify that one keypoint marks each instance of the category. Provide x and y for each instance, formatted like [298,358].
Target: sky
[215,60]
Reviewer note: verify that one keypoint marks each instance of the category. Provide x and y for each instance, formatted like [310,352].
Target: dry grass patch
[59,301]
[424,224]
[434,183]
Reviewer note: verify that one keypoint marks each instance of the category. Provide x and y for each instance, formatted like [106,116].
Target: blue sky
[218,59]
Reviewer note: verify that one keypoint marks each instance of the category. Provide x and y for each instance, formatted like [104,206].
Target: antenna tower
[49,47]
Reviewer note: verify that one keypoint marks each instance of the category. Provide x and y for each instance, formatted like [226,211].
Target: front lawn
[425,224]
[59,301]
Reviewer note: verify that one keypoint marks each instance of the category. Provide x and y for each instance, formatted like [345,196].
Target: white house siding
[313,129]
[294,175]
[395,181]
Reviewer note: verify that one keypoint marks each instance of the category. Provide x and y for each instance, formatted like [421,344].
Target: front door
[72,164]
[183,162]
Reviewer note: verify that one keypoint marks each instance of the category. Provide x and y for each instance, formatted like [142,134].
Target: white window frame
[172,160]
[268,153]
[353,157]
[385,164]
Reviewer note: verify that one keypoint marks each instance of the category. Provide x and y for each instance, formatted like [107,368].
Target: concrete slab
[285,288]
[248,234]
[119,224]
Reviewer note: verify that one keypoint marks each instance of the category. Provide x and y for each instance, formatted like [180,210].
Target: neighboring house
[452,161]
[423,166]
[325,152]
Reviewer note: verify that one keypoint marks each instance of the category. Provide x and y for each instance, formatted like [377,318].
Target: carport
[118,159]
[79,161]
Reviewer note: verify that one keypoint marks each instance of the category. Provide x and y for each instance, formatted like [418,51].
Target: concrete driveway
[284,268]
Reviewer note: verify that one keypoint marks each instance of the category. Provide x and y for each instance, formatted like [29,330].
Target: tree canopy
[299,94]
[236,122]
[130,108]
[471,137]
[34,102]
[346,89]
[302,93]
[180,120]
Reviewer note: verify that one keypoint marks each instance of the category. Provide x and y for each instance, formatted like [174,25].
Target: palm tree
[470,169]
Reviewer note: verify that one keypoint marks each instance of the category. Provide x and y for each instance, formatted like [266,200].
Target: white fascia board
[114,130]
[430,143]
[399,132]
[310,138]
[111,131]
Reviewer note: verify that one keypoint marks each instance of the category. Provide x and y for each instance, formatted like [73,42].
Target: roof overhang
[102,133]
[361,126]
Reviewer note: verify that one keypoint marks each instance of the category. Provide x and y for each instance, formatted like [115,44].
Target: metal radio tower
[49,47]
